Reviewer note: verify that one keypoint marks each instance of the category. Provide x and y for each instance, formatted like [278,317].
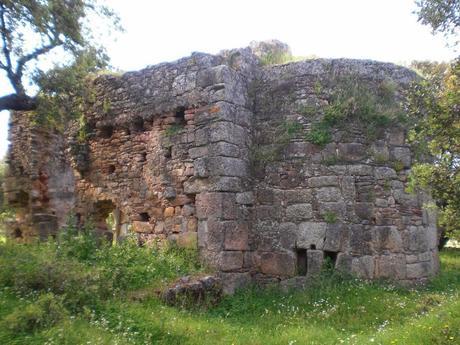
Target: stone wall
[39,182]
[346,201]
[174,153]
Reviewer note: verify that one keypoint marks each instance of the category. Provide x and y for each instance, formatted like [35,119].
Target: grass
[334,310]
[354,102]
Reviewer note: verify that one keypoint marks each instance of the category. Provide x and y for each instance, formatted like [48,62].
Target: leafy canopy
[442,15]
[33,29]
[435,101]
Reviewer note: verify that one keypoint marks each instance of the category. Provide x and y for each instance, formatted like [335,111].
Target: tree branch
[17,102]
[35,54]
[15,82]
[6,51]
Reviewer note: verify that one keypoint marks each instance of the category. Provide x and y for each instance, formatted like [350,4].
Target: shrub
[78,242]
[67,267]
[319,135]
[45,312]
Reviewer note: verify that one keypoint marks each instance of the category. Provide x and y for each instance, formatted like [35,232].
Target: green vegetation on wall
[284,133]
[354,102]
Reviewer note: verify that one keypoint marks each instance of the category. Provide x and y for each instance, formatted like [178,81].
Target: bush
[83,277]
[45,312]
[78,242]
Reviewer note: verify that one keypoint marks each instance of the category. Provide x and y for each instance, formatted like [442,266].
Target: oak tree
[55,30]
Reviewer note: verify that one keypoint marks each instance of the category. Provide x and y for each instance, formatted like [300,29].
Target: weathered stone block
[361,240]
[234,281]
[236,236]
[187,240]
[348,187]
[415,239]
[228,166]
[344,262]
[361,170]
[419,270]
[228,132]
[201,167]
[192,224]
[335,234]
[396,136]
[245,198]
[387,238]
[144,227]
[337,208]
[265,196]
[401,154]
[311,234]
[384,173]
[264,212]
[299,212]
[276,264]
[287,235]
[352,152]
[363,267]
[231,260]
[225,149]
[315,260]
[364,210]
[328,194]
[209,204]
[323,181]
[224,184]
[298,196]
[391,266]
[211,235]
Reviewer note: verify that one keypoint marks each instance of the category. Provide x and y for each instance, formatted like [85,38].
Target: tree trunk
[17,102]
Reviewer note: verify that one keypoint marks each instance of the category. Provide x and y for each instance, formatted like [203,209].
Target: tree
[442,15]
[31,29]
[435,102]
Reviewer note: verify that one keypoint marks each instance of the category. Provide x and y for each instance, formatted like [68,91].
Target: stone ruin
[195,152]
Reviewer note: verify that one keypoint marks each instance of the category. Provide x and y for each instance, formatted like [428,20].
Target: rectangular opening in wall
[301,261]
[330,258]
[180,115]
[144,217]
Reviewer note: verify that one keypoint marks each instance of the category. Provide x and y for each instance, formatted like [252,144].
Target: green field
[76,293]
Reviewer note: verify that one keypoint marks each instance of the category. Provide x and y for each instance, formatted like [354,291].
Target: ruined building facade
[216,153]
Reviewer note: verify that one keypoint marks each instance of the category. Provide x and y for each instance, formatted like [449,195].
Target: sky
[166,30]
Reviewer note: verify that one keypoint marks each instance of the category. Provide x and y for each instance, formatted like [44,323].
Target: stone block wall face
[169,151]
[344,202]
[172,152]
[39,182]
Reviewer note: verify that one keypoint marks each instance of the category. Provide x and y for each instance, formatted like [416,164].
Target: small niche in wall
[106,132]
[17,233]
[138,125]
[330,259]
[144,217]
[143,157]
[111,169]
[180,115]
[168,152]
[301,261]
